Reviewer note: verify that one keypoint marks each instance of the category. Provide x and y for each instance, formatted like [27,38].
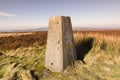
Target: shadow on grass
[83,47]
[1,53]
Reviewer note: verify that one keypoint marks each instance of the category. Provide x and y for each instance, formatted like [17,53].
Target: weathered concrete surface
[60,50]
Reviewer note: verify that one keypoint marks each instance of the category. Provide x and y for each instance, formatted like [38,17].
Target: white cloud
[8,14]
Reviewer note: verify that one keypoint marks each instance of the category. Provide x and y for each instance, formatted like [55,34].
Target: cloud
[8,14]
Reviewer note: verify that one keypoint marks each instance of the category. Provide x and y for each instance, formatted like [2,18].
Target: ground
[98,56]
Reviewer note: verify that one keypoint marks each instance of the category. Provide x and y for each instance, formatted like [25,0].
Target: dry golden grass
[14,34]
[106,45]
[113,36]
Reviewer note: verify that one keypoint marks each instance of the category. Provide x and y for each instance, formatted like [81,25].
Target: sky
[30,14]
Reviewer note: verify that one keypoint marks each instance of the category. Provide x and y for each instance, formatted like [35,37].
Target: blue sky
[25,14]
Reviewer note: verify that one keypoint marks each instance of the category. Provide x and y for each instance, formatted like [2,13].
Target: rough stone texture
[60,50]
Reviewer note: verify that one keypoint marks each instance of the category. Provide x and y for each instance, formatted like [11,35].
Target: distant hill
[29,30]
[96,28]
[74,28]
[26,30]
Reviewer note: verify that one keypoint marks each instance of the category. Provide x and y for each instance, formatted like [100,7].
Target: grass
[98,56]
[31,63]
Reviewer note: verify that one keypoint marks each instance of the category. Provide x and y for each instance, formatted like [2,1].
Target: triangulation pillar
[60,51]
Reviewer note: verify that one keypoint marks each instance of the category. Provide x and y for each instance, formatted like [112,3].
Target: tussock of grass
[33,60]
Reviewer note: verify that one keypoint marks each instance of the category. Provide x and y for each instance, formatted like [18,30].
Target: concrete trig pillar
[60,51]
